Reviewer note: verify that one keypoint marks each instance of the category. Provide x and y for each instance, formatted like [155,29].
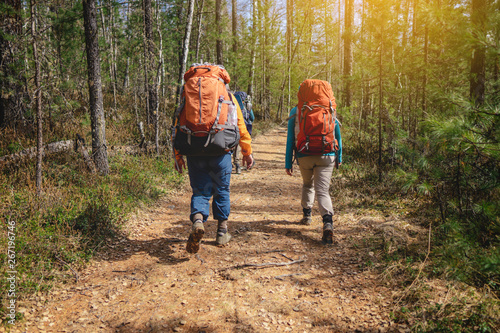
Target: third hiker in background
[314,136]
[244,101]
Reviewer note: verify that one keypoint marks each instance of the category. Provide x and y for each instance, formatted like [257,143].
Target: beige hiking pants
[316,176]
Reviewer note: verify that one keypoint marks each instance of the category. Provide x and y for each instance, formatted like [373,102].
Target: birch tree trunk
[185,48]
[99,149]
[161,61]
[266,61]
[250,90]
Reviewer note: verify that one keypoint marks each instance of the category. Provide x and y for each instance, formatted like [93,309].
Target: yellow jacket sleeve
[245,138]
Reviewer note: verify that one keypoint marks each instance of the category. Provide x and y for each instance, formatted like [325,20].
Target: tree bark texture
[152,75]
[218,24]
[252,52]
[38,100]
[99,149]
[234,25]
[11,90]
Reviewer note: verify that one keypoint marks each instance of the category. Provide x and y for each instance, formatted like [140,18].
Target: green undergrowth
[432,217]
[76,214]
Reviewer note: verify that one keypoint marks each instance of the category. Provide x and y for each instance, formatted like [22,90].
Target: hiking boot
[238,169]
[193,243]
[223,237]
[327,233]
[306,219]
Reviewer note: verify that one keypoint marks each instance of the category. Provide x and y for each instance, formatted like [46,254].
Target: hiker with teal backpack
[314,139]
[244,101]
[208,125]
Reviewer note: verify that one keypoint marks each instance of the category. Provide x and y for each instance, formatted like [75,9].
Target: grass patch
[75,215]
[400,214]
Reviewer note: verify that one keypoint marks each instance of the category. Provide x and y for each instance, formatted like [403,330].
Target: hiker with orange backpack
[208,125]
[314,137]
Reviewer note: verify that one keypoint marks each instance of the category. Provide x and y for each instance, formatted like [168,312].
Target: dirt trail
[274,275]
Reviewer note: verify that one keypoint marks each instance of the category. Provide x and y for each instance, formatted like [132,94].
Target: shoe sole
[193,243]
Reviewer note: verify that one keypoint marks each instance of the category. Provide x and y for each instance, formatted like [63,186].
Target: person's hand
[289,171]
[180,164]
[248,161]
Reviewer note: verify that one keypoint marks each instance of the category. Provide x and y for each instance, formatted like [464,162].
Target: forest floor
[274,276]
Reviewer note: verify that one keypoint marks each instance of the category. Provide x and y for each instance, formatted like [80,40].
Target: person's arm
[290,141]
[179,162]
[339,139]
[245,138]
[252,116]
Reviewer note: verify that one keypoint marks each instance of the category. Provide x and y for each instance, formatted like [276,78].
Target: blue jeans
[210,176]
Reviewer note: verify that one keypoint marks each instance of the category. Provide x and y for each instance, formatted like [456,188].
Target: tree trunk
[152,76]
[126,80]
[200,17]
[380,105]
[26,154]
[234,26]
[267,61]
[185,49]
[349,13]
[252,53]
[425,69]
[11,91]
[38,99]
[478,63]
[218,24]
[99,149]
[289,40]
[161,60]
[339,46]
[108,38]
[113,57]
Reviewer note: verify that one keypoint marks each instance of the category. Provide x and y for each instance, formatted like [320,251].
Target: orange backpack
[315,119]
[206,120]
